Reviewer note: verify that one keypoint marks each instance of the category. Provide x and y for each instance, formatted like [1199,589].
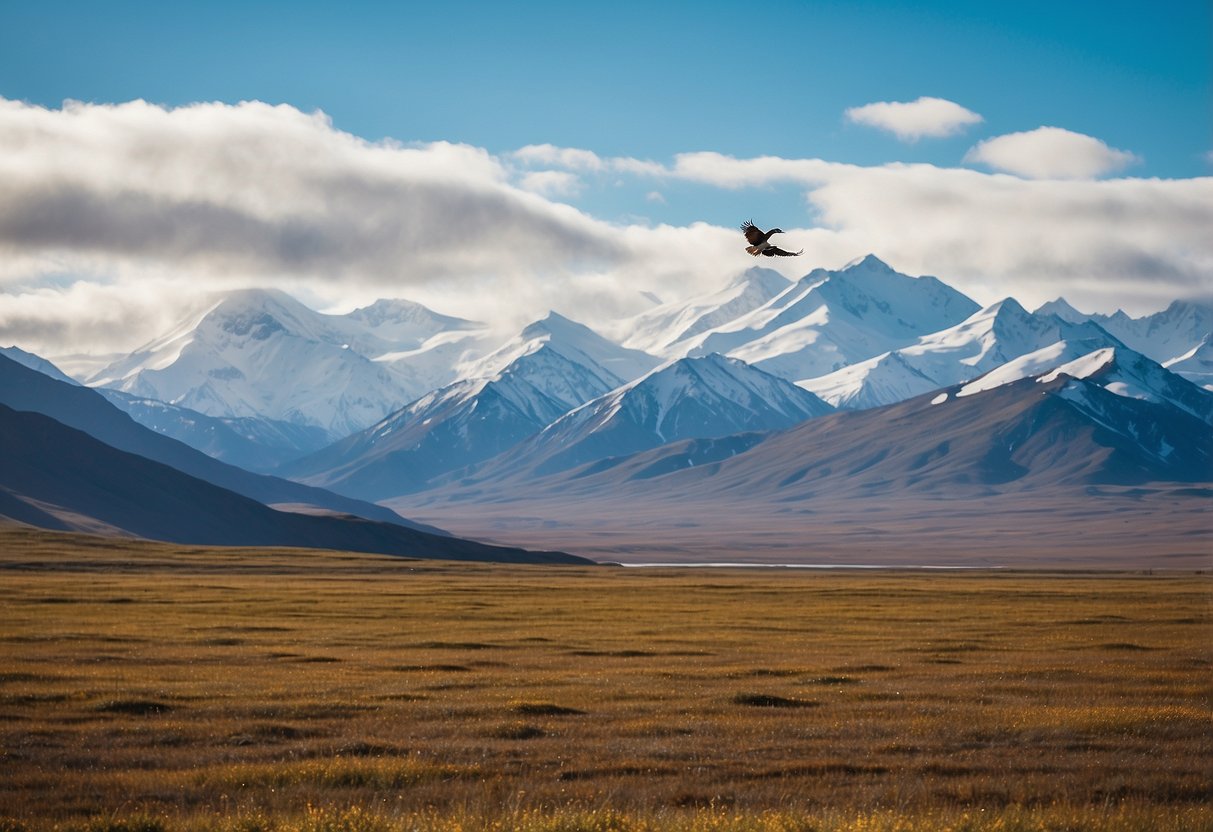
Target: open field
[151,687]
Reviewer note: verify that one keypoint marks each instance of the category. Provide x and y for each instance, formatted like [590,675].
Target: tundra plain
[160,687]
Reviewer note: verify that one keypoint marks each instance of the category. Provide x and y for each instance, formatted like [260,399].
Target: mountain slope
[830,319]
[251,442]
[553,366]
[660,331]
[1196,365]
[575,342]
[36,362]
[1034,472]
[82,484]
[1031,435]
[1118,370]
[1163,336]
[701,398]
[989,338]
[84,409]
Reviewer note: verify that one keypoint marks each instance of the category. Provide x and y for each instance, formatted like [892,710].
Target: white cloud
[1136,243]
[250,189]
[114,218]
[655,196]
[136,197]
[1050,153]
[551,182]
[912,120]
[549,155]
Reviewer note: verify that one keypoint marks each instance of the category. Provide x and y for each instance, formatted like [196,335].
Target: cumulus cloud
[255,189]
[912,120]
[551,182]
[1050,153]
[549,155]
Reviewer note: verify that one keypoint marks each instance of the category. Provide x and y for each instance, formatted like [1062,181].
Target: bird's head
[776,230]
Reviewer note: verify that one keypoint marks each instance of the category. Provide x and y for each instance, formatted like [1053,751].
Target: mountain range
[1098,461]
[724,402]
[233,359]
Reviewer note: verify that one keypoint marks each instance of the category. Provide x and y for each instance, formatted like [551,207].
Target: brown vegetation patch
[134,707]
[517,731]
[768,700]
[544,709]
[624,681]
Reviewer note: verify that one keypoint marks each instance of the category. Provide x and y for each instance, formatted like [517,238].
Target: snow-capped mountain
[986,340]
[574,341]
[1118,370]
[553,366]
[830,319]
[1061,308]
[706,397]
[37,363]
[261,353]
[662,330]
[1196,365]
[252,442]
[1050,433]
[1164,336]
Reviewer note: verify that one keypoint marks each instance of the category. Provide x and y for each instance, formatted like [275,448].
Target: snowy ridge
[37,363]
[690,398]
[1163,336]
[553,366]
[1196,365]
[233,358]
[1117,370]
[661,331]
[829,320]
[574,341]
[986,340]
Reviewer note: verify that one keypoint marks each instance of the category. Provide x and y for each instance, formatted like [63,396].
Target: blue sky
[647,82]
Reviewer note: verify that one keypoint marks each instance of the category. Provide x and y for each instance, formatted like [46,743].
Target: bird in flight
[759,242]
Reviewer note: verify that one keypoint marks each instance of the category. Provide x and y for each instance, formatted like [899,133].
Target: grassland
[153,687]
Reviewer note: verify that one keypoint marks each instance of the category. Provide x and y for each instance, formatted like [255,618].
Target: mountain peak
[556,325]
[1007,308]
[1061,308]
[254,297]
[766,278]
[869,262]
[388,309]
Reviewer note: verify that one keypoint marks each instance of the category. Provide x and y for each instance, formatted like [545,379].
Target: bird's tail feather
[752,250]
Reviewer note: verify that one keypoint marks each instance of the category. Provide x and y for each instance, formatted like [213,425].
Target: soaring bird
[758,241]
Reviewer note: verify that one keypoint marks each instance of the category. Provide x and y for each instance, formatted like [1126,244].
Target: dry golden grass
[154,687]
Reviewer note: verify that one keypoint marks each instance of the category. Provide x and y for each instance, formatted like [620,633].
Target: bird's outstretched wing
[772,251]
[752,232]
